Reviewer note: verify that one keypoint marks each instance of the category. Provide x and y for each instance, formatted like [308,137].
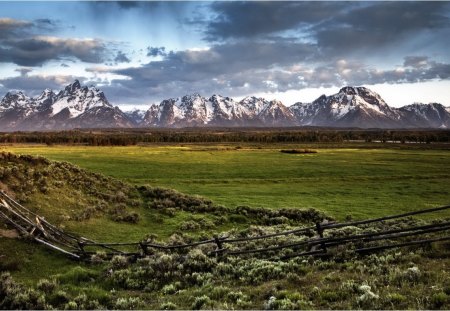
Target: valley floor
[350,180]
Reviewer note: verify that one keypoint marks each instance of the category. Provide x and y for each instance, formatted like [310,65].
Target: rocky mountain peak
[15,99]
[349,90]
[47,93]
[71,88]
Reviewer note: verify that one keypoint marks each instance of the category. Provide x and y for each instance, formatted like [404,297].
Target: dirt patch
[6,189]
[10,234]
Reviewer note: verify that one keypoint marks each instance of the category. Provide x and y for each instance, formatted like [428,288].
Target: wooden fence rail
[32,225]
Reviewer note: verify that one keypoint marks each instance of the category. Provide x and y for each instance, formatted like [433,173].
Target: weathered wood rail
[31,225]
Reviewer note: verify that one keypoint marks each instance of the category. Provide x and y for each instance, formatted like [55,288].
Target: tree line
[112,137]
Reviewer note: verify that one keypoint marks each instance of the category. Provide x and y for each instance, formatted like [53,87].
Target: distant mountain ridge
[87,107]
[73,107]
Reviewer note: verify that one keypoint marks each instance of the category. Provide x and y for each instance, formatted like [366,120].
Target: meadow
[100,201]
[348,181]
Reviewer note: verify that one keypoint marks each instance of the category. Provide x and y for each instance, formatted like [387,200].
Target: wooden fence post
[320,230]
[219,245]
[81,245]
[144,248]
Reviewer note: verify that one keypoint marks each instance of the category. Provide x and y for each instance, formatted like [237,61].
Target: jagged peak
[13,98]
[276,102]
[46,93]
[252,98]
[355,90]
[215,97]
[15,93]
[73,86]
[191,96]
[418,105]
[349,90]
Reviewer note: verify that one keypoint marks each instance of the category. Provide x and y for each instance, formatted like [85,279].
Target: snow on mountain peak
[72,87]
[81,106]
[79,99]
[349,90]
[15,100]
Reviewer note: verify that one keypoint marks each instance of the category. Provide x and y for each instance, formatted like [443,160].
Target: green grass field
[358,182]
[355,180]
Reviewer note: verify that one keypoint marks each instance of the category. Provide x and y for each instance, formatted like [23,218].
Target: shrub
[234,297]
[76,275]
[298,151]
[119,213]
[129,303]
[99,257]
[439,300]
[119,262]
[412,274]
[196,261]
[201,302]
[219,292]
[168,306]
[71,305]
[169,289]
[271,303]
[46,286]
[59,298]
[367,295]
[396,299]
[189,225]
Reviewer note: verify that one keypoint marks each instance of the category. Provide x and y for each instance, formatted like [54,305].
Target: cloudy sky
[142,52]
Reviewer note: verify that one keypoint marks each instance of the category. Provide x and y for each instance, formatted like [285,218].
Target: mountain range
[80,106]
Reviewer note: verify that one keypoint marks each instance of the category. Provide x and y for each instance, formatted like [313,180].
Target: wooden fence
[31,225]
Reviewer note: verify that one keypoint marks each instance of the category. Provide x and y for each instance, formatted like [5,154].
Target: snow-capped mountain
[351,107]
[14,108]
[87,107]
[77,99]
[73,107]
[195,110]
[426,115]
[135,115]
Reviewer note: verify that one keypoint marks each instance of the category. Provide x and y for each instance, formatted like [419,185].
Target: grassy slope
[358,182]
[337,171]
[93,206]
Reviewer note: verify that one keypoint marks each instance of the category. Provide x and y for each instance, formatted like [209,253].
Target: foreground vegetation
[402,279]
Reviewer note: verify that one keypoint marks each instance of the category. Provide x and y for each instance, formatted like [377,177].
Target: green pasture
[352,182]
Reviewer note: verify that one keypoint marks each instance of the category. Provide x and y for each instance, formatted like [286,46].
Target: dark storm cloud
[192,65]
[251,19]
[38,50]
[128,4]
[416,61]
[23,71]
[152,10]
[336,27]
[20,44]
[377,25]
[245,68]
[156,51]
[121,58]
[11,27]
